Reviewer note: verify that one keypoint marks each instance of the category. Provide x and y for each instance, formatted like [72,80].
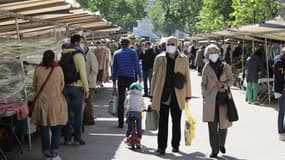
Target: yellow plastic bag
[189,131]
[143,113]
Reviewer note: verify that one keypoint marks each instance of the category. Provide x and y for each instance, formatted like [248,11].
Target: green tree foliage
[190,16]
[253,11]
[214,14]
[124,13]
[170,15]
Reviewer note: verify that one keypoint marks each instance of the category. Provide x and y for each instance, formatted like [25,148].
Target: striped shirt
[126,64]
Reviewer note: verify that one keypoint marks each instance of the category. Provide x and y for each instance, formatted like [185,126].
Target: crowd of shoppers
[165,74]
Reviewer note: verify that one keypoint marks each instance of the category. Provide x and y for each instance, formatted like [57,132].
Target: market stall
[267,33]
[13,102]
[27,29]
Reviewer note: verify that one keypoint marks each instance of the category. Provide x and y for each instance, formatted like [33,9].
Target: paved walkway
[254,137]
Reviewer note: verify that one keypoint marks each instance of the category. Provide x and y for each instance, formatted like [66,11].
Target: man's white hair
[210,46]
[171,37]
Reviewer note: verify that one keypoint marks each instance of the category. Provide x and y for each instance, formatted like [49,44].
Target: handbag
[179,80]
[113,108]
[232,110]
[151,120]
[222,98]
[31,106]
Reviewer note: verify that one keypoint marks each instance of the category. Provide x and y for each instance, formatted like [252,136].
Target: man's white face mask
[171,49]
[214,57]
[82,45]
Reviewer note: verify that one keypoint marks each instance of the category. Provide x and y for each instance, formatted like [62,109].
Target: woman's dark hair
[48,58]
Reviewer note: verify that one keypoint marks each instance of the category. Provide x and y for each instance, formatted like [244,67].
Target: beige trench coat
[50,108]
[209,92]
[158,79]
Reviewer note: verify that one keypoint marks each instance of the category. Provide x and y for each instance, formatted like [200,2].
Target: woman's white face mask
[214,57]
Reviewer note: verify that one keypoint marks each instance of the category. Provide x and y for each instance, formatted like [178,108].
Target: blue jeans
[138,116]
[74,99]
[50,146]
[147,76]
[281,113]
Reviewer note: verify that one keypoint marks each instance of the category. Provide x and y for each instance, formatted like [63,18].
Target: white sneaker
[282,137]
[56,158]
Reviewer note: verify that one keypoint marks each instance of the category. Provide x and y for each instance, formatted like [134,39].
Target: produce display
[16,76]
[12,84]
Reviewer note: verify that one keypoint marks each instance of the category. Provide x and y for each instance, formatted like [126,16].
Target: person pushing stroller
[134,105]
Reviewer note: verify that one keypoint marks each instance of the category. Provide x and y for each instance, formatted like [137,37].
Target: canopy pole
[242,59]
[253,46]
[93,37]
[267,69]
[17,29]
[54,31]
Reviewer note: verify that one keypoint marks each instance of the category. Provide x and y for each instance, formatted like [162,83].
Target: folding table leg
[29,134]
[3,154]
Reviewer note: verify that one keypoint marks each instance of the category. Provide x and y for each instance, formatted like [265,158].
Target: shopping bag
[151,120]
[189,131]
[113,108]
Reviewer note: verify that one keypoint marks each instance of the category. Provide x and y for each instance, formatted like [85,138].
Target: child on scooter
[134,105]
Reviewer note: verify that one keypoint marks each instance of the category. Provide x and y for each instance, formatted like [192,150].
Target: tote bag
[113,108]
[151,120]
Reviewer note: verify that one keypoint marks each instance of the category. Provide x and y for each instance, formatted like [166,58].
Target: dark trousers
[217,136]
[281,113]
[147,76]
[163,124]
[123,84]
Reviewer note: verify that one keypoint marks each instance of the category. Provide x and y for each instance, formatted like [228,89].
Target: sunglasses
[171,44]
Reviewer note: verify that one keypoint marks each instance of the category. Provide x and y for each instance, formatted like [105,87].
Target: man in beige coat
[170,90]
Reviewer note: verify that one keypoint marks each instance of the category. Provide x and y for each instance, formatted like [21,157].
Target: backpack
[69,70]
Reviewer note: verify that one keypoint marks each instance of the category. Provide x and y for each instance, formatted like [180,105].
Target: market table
[263,87]
[11,109]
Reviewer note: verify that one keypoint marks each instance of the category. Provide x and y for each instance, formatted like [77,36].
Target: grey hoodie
[134,101]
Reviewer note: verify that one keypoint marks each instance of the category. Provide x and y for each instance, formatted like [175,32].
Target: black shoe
[175,149]
[161,151]
[89,122]
[223,150]
[120,126]
[213,155]
[80,141]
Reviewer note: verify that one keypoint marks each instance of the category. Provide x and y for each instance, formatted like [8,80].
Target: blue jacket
[279,73]
[126,64]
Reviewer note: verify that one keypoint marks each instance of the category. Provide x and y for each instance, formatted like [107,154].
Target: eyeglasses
[171,44]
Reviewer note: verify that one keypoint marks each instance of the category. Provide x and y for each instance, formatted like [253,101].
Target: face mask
[214,57]
[82,46]
[171,49]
